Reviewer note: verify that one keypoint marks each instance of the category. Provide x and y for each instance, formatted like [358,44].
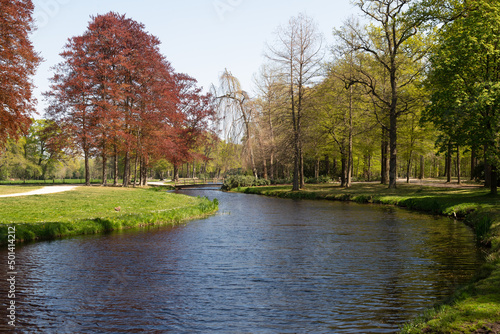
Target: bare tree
[272,102]
[298,52]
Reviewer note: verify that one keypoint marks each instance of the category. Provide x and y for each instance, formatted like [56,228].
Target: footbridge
[198,183]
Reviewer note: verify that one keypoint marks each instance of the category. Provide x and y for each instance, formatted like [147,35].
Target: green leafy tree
[15,163]
[465,82]
[397,50]
[340,114]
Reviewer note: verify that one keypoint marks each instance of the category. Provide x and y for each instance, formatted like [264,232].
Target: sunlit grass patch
[87,210]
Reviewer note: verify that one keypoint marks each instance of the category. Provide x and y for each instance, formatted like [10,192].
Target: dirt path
[43,191]
[441,183]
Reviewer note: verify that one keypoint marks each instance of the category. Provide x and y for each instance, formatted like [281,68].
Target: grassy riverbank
[474,308]
[90,210]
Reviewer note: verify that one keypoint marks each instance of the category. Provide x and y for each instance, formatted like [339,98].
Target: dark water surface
[261,265]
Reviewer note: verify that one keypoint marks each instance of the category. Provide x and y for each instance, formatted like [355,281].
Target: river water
[261,265]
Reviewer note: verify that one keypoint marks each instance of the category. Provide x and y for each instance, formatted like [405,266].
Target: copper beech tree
[18,62]
[191,129]
[117,96]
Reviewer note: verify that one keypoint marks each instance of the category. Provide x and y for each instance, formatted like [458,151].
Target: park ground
[474,308]
[38,214]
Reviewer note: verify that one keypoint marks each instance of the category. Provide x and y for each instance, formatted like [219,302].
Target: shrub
[282,181]
[236,181]
[261,182]
[321,179]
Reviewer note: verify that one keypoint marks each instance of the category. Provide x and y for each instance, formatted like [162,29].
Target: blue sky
[199,37]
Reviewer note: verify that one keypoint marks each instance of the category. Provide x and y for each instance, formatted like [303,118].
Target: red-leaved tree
[18,63]
[116,94]
[193,127]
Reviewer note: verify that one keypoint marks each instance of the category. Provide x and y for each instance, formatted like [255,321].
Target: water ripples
[264,266]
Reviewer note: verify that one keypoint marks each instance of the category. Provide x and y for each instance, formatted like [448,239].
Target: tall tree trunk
[445,165]
[135,170]
[408,168]
[383,179]
[144,171]
[349,149]
[263,155]
[448,164]
[369,177]
[422,168]
[472,163]
[487,169]
[104,169]
[302,180]
[296,162]
[487,175]
[115,167]
[350,165]
[87,168]
[276,167]
[385,157]
[266,175]
[343,175]
[126,169]
[494,181]
[296,157]
[296,181]
[271,165]
[393,138]
[458,165]
[316,169]
[435,171]
[365,167]
[176,173]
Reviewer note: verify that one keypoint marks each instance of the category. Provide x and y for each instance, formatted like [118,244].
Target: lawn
[8,190]
[88,210]
[440,200]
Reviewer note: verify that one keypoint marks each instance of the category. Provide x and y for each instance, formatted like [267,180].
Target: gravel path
[43,191]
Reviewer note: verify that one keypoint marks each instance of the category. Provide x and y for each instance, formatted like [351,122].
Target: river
[261,265]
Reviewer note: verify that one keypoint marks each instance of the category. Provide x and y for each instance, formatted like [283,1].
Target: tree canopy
[405,76]
[18,63]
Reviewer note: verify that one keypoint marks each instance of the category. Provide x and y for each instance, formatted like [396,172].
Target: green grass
[89,210]
[8,190]
[448,201]
[472,308]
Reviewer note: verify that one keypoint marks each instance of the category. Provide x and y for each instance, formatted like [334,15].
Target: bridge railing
[195,181]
